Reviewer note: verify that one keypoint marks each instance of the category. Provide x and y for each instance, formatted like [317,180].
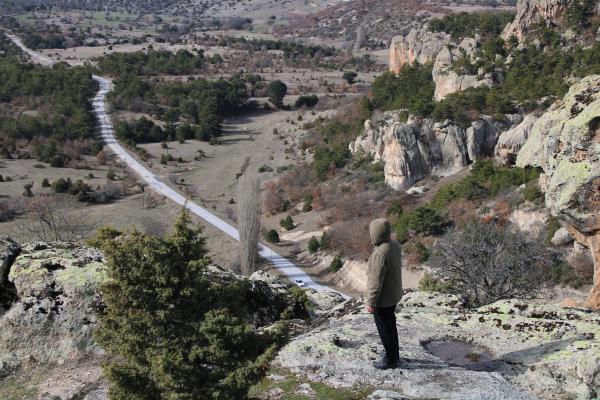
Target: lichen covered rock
[543,351]
[57,289]
[565,143]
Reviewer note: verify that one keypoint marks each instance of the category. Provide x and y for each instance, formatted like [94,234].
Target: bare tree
[248,222]
[488,262]
[52,217]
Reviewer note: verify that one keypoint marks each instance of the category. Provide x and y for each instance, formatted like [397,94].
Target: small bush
[488,262]
[431,283]
[271,236]
[324,242]
[61,185]
[416,252]
[563,274]
[394,209]
[534,194]
[336,264]
[308,199]
[424,219]
[313,245]
[45,183]
[305,101]
[287,223]
[552,225]
[349,77]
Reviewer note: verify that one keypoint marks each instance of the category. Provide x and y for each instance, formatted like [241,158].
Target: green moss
[91,273]
[567,179]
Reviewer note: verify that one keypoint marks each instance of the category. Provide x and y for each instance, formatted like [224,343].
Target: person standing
[384,289]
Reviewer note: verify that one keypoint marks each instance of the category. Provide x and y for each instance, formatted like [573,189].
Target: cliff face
[419,45]
[532,12]
[416,149]
[565,143]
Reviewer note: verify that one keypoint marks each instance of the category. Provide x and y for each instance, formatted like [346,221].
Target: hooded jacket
[384,285]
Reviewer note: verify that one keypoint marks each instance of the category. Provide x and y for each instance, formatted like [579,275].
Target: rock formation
[565,143]
[50,324]
[532,12]
[416,149]
[537,351]
[423,46]
[419,45]
[447,80]
[47,331]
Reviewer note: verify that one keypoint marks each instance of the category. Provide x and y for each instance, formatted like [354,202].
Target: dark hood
[380,231]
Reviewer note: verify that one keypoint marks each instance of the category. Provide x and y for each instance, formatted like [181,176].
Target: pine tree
[169,333]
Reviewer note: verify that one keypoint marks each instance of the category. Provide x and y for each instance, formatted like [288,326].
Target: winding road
[100,108]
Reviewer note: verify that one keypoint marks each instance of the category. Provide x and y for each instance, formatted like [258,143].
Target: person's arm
[375,278]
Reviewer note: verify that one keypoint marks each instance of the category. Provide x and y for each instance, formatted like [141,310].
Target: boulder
[565,143]
[562,237]
[539,351]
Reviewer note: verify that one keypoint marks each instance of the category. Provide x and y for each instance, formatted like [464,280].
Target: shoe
[385,364]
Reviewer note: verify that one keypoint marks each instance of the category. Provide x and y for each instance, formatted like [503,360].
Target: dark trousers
[385,320]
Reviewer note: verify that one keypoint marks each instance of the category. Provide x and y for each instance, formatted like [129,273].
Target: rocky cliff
[416,149]
[565,143]
[532,12]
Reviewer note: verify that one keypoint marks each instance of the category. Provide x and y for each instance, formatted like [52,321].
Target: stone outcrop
[532,12]
[419,45]
[416,149]
[47,331]
[447,80]
[423,46]
[537,351]
[565,143]
[511,141]
[50,324]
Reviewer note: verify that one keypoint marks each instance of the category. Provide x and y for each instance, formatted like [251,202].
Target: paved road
[107,132]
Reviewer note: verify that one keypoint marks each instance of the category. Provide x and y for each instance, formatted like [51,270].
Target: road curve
[107,133]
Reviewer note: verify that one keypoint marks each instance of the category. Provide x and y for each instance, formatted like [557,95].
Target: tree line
[533,74]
